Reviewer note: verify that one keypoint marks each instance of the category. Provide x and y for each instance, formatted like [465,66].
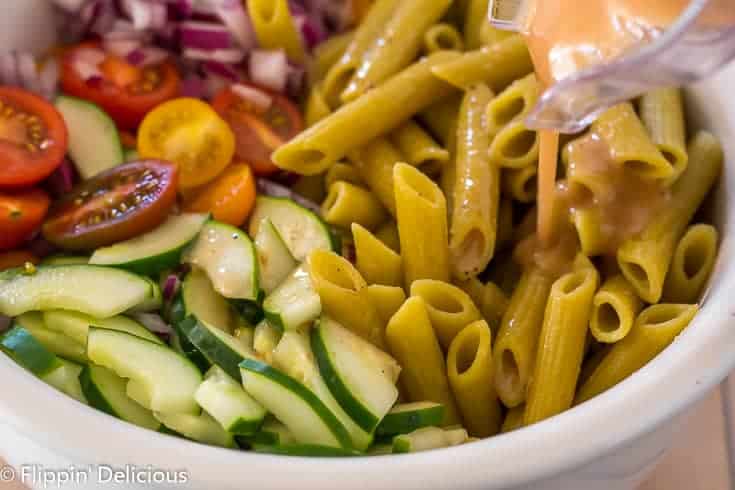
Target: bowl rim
[699,359]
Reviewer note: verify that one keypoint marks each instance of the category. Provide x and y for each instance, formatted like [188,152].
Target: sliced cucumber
[428,438]
[65,260]
[225,399]
[245,335]
[302,230]
[360,386]
[180,343]
[271,433]
[153,303]
[274,258]
[94,143]
[308,419]
[265,339]
[294,303]
[157,250]
[228,257]
[380,449]
[76,325]
[201,428]
[304,450]
[98,291]
[66,379]
[161,379]
[56,342]
[293,356]
[105,391]
[201,300]
[408,417]
[24,349]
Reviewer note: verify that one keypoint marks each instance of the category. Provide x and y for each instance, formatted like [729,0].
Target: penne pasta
[476,194]
[441,117]
[515,146]
[441,37]
[694,259]
[386,299]
[497,65]
[662,113]
[388,234]
[397,46]
[521,184]
[275,27]
[347,203]
[470,372]
[561,345]
[450,309]
[513,103]
[419,148]
[377,262]
[375,162]
[344,296]
[476,16]
[342,171]
[421,215]
[654,329]
[490,35]
[414,345]
[327,53]
[513,419]
[316,106]
[377,112]
[505,222]
[515,345]
[614,310]
[645,259]
[489,299]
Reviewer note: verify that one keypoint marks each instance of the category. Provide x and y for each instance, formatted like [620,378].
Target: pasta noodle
[615,307]
[694,259]
[442,37]
[347,203]
[377,262]
[419,148]
[275,28]
[386,299]
[662,113]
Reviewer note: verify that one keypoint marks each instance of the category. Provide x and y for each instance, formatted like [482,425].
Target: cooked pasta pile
[417,146]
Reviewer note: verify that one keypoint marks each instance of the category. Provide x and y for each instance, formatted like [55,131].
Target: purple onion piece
[205,35]
[171,286]
[270,188]
[62,180]
[269,69]
[192,86]
[154,323]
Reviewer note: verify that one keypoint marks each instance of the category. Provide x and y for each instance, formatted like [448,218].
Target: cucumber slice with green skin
[180,343]
[228,257]
[275,260]
[201,300]
[226,401]
[408,417]
[65,260]
[131,155]
[76,325]
[66,379]
[56,342]
[304,450]
[245,335]
[271,433]
[98,291]
[250,311]
[163,381]
[201,428]
[155,251]
[24,349]
[380,450]
[308,419]
[105,391]
[94,143]
[294,303]
[428,438]
[153,303]
[301,230]
[265,339]
[360,387]
[294,357]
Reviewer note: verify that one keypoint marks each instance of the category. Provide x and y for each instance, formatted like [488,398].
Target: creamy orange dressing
[565,36]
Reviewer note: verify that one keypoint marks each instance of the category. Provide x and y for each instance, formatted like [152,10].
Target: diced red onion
[70,5]
[232,14]
[5,322]
[222,70]
[311,31]
[205,35]
[9,70]
[154,323]
[270,188]
[147,56]
[295,79]
[213,84]
[192,86]
[145,14]
[90,56]
[170,286]
[62,180]
[259,99]
[121,48]
[220,55]
[269,69]
[104,17]
[87,71]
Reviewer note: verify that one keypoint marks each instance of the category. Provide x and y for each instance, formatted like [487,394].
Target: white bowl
[610,442]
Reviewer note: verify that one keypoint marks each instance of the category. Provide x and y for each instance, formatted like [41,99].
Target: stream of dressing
[565,36]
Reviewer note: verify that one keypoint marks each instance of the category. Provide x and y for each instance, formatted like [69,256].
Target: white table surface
[701,461]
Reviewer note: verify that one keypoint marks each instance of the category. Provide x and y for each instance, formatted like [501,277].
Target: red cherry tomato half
[21,214]
[259,132]
[115,205]
[33,138]
[126,92]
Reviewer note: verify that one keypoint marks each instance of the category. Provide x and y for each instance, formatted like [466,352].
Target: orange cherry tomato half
[115,205]
[258,132]
[16,258]
[126,92]
[230,197]
[21,214]
[33,138]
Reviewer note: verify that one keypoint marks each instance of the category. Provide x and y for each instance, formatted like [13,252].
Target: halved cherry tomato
[189,133]
[126,92]
[33,138]
[21,214]
[259,133]
[16,258]
[115,205]
[230,197]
